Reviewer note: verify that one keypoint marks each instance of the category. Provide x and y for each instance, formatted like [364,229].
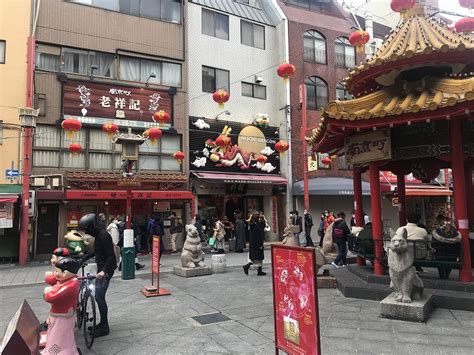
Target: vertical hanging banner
[295,300]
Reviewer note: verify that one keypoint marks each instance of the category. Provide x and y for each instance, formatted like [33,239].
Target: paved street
[164,325]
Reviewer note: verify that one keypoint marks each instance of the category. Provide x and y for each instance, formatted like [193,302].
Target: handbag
[212,241]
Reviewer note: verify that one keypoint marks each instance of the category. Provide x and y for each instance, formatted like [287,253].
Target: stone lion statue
[404,280]
[289,236]
[192,255]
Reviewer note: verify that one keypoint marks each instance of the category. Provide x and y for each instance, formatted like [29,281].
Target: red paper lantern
[71,125]
[161,117]
[153,133]
[110,128]
[281,146]
[262,159]
[465,25]
[358,39]
[75,148]
[179,156]
[221,97]
[426,170]
[467,3]
[286,70]
[402,5]
[326,161]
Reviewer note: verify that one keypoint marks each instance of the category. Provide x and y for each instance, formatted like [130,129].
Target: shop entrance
[47,228]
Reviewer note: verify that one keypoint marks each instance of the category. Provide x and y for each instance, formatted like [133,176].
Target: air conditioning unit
[32,203]
[258,79]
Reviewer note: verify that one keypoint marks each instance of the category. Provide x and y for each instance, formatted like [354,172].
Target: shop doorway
[47,228]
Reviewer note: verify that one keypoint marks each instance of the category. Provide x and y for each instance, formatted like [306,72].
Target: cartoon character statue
[63,299]
[77,243]
[262,120]
[58,254]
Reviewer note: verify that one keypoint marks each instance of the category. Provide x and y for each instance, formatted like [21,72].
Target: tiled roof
[112,175]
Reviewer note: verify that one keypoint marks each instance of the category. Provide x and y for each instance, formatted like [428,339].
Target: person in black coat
[256,240]
[239,232]
[308,224]
[159,230]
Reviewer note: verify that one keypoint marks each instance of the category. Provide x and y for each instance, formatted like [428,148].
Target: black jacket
[308,221]
[103,252]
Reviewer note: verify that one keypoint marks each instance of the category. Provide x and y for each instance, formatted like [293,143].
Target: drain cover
[211,318]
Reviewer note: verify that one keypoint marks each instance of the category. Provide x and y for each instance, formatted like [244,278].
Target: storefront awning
[329,186]
[427,190]
[122,195]
[243,178]
[10,189]
[8,198]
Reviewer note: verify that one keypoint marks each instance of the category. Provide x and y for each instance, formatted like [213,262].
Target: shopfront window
[159,155]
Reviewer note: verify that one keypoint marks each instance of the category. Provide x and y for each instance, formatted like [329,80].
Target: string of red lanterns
[110,128]
[71,125]
[153,133]
[75,148]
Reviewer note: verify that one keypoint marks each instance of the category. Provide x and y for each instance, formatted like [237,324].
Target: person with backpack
[340,232]
[308,224]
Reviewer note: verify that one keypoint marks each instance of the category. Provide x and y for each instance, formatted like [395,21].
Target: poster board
[295,300]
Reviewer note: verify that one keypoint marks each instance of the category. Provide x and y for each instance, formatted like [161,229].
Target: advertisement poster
[155,261]
[295,300]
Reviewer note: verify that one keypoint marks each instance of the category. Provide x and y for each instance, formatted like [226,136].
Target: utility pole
[304,128]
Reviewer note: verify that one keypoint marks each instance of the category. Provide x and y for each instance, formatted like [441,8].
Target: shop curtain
[75,61]
[171,74]
[130,69]
[105,64]
[148,67]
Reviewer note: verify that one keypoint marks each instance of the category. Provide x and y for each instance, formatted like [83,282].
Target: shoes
[260,272]
[246,268]
[120,266]
[161,265]
[239,251]
[335,265]
[344,265]
[139,266]
[220,251]
[174,252]
[102,331]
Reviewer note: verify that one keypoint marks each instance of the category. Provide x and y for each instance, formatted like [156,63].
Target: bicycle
[85,309]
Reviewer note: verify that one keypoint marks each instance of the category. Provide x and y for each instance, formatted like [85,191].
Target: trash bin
[128,255]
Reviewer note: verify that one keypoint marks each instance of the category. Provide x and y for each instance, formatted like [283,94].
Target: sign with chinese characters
[312,164]
[113,102]
[295,300]
[369,146]
[6,215]
[122,195]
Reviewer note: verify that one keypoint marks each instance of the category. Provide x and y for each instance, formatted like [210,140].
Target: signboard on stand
[295,300]
[154,289]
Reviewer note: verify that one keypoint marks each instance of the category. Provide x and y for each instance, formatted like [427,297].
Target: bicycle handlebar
[88,277]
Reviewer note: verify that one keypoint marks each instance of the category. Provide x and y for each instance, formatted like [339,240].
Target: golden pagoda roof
[415,35]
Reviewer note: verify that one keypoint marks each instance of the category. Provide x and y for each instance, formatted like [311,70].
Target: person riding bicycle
[106,265]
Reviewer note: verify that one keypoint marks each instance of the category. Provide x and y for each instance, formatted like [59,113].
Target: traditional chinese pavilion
[412,112]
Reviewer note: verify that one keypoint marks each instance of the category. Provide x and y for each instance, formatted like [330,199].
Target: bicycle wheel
[79,310]
[89,319]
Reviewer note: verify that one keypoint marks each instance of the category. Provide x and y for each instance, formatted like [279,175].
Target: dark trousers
[321,239]
[342,246]
[162,247]
[101,287]
[309,241]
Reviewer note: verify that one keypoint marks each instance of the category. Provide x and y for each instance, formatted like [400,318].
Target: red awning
[8,198]
[122,195]
[243,178]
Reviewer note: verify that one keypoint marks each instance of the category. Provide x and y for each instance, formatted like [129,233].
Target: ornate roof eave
[116,176]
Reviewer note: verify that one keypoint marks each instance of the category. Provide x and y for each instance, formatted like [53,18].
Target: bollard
[218,264]
[128,255]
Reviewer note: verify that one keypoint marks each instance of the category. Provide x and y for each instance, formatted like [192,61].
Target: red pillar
[128,218]
[402,203]
[304,127]
[469,193]
[376,205]
[358,207]
[460,207]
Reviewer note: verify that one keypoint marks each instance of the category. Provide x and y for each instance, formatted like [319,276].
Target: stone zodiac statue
[192,255]
[404,280]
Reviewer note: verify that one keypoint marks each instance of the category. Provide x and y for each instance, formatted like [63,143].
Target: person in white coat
[113,230]
[416,234]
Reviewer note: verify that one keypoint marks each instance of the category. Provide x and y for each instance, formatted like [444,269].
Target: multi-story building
[107,62]
[237,45]
[14,31]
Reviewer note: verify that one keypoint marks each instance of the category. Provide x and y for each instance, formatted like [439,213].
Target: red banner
[295,300]
[122,195]
[155,260]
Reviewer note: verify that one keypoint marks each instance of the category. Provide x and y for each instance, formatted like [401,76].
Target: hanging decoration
[358,39]
[161,117]
[224,140]
[221,97]
[281,146]
[286,70]
[75,148]
[326,160]
[402,5]
[469,4]
[465,25]
[262,159]
[262,120]
[425,170]
[179,156]
[153,133]
[110,128]
[71,125]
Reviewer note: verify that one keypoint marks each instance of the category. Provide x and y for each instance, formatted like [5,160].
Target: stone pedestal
[218,263]
[416,311]
[192,272]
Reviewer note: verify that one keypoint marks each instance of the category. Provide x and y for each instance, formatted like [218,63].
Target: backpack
[337,230]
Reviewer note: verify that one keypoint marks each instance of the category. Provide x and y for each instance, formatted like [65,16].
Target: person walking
[257,238]
[308,224]
[321,230]
[159,231]
[174,230]
[298,221]
[340,232]
[106,265]
[219,234]
[198,225]
[113,230]
[149,232]
[239,232]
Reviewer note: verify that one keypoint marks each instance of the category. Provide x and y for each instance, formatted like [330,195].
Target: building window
[345,53]
[313,5]
[316,93]
[81,61]
[314,47]
[252,34]
[164,10]
[214,79]
[3,48]
[342,93]
[215,24]
[254,90]
[134,69]
[159,156]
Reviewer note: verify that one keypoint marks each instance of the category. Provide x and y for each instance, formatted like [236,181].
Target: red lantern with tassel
[75,148]
[281,146]
[71,125]
[326,161]
[153,133]
[179,156]
[286,70]
[110,128]
[358,39]
[262,159]
[465,25]
[161,117]
[469,4]
[402,5]
[221,97]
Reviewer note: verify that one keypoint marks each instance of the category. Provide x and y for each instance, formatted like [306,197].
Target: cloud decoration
[199,162]
[267,151]
[201,124]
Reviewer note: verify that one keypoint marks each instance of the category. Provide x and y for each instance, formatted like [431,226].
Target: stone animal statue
[289,236]
[404,280]
[192,255]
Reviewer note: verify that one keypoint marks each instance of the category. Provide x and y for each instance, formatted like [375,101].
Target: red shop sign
[122,195]
[295,300]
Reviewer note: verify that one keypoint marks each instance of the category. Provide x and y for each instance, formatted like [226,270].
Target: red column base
[465,275]
[360,261]
[378,268]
